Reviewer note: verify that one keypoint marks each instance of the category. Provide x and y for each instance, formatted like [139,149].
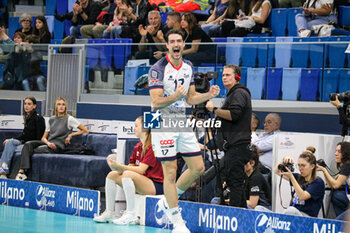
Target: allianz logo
[44,196]
[74,201]
[11,192]
[263,222]
[209,219]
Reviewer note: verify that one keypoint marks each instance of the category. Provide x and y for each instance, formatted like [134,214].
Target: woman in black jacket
[34,127]
[42,30]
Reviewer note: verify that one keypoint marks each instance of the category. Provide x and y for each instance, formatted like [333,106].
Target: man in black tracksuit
[234,136]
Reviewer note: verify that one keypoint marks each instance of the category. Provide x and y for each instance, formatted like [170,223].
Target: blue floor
[23,220]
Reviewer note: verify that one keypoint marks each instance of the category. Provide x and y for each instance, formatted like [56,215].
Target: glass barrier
[23,67]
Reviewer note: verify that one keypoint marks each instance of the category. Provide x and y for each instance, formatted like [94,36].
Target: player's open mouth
[176,50]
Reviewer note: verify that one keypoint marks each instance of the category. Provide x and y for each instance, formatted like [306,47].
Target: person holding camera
[234,136]
[340,196]
[343,118]
[309,189]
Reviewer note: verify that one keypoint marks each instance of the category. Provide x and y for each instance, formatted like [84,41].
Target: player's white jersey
[164,75]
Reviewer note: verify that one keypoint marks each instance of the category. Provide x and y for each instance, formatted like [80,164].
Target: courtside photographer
[309,190]
[344,111]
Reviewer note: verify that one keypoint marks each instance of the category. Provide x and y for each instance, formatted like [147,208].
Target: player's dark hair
[175,31]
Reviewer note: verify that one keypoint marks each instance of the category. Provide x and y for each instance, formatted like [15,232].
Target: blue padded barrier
[62,6]
[335,56]
[249,52]
[256,78]
[330,83]
[51,7]
[58,31]
[13,25]
[309,84]
[274,83]
[290,83]
[344,15]
[292,28]
[300,53]
[283,52]
[266,52]
[233,51]
[279,15]
[344,80]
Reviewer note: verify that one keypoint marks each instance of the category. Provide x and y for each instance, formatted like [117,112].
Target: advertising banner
[214,218]
[61,199]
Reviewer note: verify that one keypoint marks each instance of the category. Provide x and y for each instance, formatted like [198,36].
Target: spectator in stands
[254,125]
[339,199]
[42,30]
[103,21]
[314,13]
[344,117]
[173,22]
[19,37]
[34,127]
[290,3]
[309,189]
[150,34]
[196,53]
[4,39]
[34,78]
[57,135]
[26,21]
[212,25]
[258,190]
[234,9]
[143,175]
[114,28]
[258,13]
[264,143]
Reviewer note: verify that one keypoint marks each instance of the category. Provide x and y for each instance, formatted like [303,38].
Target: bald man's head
[272,122]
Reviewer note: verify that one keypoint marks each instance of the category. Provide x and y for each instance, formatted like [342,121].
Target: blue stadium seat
[309,84]
[279,15]
[13,26]
[344,80]
[274,83]
[164,16]
[335,52]
[233,51]
[249,52]
[244,73]
[62,6]
[266,52]
[330,83]
[132,73]
[67,25]
[292,28]
[2,69]
[70,5]
[343,15]
[318,53]
[50,23]
[283,52]
[58,31]
[93,53]
[290,83]
[106,54]
[256,78]
[51,7]
[300,53]
[121,52]
[221,49]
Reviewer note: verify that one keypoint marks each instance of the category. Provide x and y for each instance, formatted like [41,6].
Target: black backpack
[78,149]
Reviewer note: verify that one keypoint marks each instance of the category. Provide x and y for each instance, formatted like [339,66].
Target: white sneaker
[107,216]
[3,177]
[305,33]
[180,227]
[128,218]
[21,176]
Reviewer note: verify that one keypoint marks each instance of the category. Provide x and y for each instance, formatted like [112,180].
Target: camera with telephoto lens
[345,97]
[202,85]
[321,163]
[282,167]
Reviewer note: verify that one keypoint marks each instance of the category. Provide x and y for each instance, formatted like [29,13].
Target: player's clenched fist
[180,91]
[214,91]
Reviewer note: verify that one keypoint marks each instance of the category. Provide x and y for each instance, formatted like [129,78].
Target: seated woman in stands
[57,135]
[196,53]
[315,12]
[309,189]
[42,30]
[34,127]
[143,175]
[212,25]
[234,9]
[340,199]
[258,13]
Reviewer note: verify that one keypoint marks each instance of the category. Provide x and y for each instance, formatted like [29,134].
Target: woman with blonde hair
[143,175]
[58,134]
[309,189]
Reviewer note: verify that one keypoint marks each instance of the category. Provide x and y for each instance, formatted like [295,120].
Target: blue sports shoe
[4,171]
